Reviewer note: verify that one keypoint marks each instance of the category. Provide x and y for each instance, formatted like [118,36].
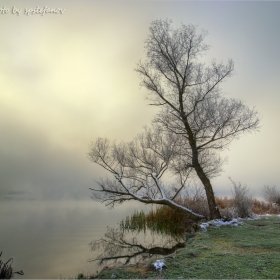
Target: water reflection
[135,240]
[118,248]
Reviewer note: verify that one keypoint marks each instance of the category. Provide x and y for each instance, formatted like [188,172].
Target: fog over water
[50,239]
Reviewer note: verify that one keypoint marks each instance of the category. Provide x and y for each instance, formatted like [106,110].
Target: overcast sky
[69,78]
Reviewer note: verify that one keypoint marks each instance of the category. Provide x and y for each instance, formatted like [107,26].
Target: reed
[161,220]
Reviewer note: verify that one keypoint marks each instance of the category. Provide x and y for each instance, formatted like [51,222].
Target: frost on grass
[219,223]
[158,264]
[234,222]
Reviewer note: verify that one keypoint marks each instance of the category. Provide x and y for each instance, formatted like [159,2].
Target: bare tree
[191,102]
[138,168]
[194,124]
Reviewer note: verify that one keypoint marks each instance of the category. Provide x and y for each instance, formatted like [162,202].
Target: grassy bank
[251,250]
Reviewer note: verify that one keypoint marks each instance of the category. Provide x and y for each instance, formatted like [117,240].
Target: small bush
[229,213]
[194,198]
[271,194]
[242,201]
[6,270]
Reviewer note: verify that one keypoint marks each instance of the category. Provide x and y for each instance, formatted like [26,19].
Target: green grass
[251,250]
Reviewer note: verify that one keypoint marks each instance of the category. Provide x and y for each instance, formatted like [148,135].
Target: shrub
[242,201]
[195,199]
[6,270]
[271,194]
[229,213]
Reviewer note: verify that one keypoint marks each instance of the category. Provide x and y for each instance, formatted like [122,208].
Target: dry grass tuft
[262,207]
[6,270]
[258,207]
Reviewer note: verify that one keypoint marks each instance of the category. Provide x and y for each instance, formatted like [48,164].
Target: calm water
[49,239]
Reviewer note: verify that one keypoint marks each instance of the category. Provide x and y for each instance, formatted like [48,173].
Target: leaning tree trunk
[213,209]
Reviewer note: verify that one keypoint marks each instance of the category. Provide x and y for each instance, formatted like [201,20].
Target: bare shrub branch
[271,194]
[243,202]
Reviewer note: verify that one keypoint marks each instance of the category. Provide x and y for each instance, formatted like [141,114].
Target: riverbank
[250,250]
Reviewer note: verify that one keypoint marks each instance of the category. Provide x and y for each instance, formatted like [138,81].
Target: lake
[50,239]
